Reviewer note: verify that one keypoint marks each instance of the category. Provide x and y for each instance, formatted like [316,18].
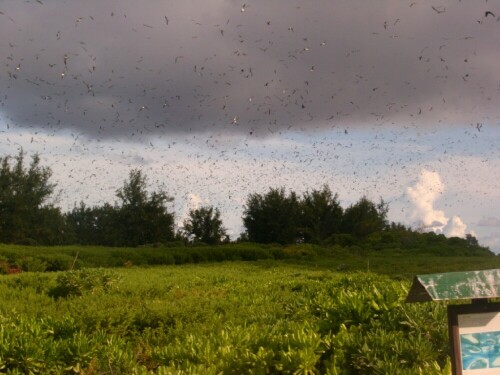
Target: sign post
[474,329]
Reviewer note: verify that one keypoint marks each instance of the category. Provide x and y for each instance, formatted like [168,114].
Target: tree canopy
[26,214]
[272,217]
[314,218]
[321,215]
[205,225]
[143,217]
[139,217]
[364,217]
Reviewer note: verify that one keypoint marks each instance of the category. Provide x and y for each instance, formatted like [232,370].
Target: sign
[475,338]
[474,329]
[455,286]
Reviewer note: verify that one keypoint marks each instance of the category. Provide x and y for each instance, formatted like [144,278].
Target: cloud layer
[109,69]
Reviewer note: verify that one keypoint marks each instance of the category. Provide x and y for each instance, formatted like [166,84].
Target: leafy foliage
[204,225]
[25,212]
[140,218]
[316,218]
[227,318]
[143,217]
[273,217]
[427,257]
[90,280]
[95,226]
[364,218]
[321,215]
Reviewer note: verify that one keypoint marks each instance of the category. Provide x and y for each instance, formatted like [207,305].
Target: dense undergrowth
[428,253]
[231,318]
[254,309]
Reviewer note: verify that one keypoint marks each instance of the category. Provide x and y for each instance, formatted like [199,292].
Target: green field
[315,311]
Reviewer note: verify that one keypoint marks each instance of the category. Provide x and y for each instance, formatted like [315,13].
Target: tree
[273,217]
[138,218]
[52,228]
[471,240]
[364,218]
[81,222]
[143,218]
[204,225]
[25,211]
[95,225]
[321,215]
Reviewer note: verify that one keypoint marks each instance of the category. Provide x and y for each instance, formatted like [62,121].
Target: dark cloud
[109,68]
[437,224]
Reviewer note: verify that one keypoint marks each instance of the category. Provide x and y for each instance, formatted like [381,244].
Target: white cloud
[423,195]
[455,227]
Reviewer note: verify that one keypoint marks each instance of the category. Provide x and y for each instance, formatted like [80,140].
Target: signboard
[455,286]
[475,338]
[474,329]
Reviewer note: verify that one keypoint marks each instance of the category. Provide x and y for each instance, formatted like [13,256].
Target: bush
[27,242]
[32,264]
[342,239]
[160,259]
[57,262]
[78,283]
[4,265]
[301,251]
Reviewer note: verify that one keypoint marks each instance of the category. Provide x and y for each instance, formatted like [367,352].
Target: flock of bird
[197,99]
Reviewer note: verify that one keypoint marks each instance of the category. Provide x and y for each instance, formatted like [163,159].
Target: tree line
[28,215]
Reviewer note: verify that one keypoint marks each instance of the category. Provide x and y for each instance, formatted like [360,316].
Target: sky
[217,99]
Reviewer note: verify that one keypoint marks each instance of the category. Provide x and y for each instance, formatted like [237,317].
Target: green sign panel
[455,285]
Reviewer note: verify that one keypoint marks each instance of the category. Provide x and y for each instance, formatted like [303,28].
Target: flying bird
[486,14]
[439,10]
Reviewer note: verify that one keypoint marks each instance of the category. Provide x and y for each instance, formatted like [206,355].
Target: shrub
[57,262]
[342,239]
[4,265]
[27,242]
[307,251]
[32,264]
[78,283]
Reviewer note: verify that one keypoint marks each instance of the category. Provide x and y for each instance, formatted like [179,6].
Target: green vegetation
[205,225]
[320,292]
[301,309]
[421,254]
[25,203]
[140,217]
[30,258]
[272,217]
[256,318]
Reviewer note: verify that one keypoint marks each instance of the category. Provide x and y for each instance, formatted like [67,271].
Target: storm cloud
[125,69]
